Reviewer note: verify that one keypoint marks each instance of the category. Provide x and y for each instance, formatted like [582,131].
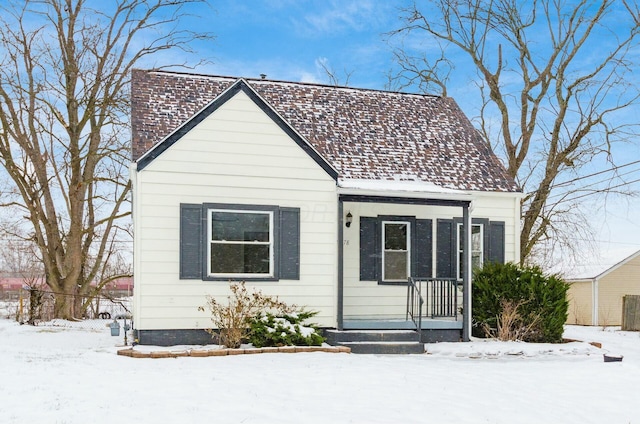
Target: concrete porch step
[387,342]
[385,348]
[337,336]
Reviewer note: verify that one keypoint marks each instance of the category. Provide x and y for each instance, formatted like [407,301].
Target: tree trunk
[63,111]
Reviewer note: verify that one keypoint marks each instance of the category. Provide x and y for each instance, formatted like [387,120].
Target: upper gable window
[240,243]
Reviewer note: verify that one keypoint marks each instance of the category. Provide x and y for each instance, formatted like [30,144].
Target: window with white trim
[396,255]
[240,243]
[477,248]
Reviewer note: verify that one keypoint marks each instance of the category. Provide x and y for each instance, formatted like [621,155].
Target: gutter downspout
[133,178]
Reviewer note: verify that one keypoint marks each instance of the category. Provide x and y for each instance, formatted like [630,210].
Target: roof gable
[596,271]
[240,85]
[361,134]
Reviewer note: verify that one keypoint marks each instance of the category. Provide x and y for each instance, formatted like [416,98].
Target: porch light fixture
[348,220]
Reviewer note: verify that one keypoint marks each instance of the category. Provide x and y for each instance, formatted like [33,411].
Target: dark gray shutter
[496,241]
[369,249]
[289,237]
[191,241]
[445,249]
[422,247]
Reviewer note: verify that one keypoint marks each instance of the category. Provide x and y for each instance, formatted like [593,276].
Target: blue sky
[287,39]
[290,39]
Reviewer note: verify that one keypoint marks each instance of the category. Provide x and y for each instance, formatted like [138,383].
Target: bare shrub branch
[231,321]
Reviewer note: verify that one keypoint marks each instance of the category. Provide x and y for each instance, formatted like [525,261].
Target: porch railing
[414,304]
[438,296]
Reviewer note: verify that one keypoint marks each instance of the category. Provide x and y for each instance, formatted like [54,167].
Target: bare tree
[332,74]
[18,257]
[554,80]
[64,74]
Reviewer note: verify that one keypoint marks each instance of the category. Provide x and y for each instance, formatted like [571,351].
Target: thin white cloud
[309,77]
[276,68]
[336,17]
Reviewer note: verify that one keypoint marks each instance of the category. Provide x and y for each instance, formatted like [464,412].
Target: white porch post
[340,292]
[466,275]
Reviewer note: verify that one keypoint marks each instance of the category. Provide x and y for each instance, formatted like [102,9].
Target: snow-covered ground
[72,374]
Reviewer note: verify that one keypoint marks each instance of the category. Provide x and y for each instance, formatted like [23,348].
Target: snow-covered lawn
[73,375]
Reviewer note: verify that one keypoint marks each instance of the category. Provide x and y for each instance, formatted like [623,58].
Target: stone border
[200,353]
[594,344]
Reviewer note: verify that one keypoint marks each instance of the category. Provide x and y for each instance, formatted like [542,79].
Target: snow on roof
[363,134]
[597,267]
[397,184]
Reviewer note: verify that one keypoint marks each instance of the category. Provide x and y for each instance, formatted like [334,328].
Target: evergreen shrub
[289,329]
[513,302]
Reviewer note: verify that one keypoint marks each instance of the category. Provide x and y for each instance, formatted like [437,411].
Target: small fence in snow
[34,306]
[631,313]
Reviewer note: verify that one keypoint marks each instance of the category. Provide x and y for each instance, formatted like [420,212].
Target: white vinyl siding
[371,300]
[237,155]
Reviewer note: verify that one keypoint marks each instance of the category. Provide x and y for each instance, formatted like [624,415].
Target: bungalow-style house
[370,207]
[596,292]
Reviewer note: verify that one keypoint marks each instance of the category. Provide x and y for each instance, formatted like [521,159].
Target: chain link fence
[35,306]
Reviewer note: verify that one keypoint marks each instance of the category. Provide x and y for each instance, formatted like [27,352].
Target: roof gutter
[452,195]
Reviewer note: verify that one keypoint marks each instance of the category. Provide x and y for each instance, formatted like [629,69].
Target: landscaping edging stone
[201,353]
[594,344]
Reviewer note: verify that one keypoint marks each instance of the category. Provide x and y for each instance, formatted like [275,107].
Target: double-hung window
[396,254]
[241,243]
[394,248]
[223,242]
[477,248]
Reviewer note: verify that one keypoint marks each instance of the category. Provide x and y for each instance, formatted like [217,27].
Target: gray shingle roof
[363,134]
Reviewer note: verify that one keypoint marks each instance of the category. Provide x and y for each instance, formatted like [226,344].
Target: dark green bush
[285,330]
[539,300]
